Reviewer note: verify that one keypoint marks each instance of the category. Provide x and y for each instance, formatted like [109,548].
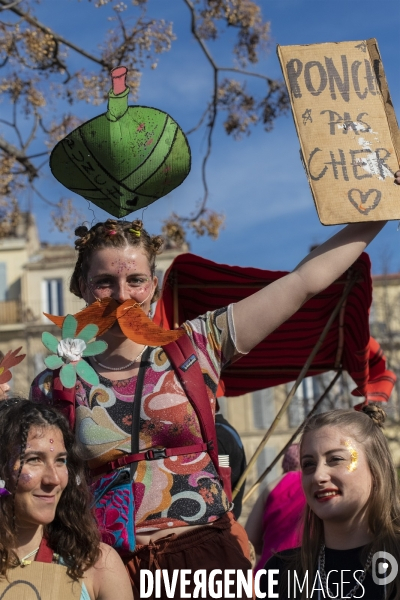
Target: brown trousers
[222,545]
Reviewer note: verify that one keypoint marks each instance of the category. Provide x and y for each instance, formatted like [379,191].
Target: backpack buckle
[155,454]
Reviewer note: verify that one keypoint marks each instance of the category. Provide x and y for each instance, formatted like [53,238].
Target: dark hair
[73,534]
[291,459]
[113,234]
[384,500]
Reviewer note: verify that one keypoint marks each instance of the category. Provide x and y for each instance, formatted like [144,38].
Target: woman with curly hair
[44,504]
[352,512]
[182,514]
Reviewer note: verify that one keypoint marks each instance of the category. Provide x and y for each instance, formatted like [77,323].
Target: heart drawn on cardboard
[364,202]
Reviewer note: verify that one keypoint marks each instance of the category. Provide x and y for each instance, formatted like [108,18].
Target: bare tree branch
[33,21]
[53,204]
[212,109]
[200,123]
[10,4]
[32,133]
[20,156]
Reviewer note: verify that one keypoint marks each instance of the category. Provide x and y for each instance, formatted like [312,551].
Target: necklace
[321,568]
[120,368]
[24,561]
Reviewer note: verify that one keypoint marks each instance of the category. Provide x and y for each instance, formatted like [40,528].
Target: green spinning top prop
[125,159]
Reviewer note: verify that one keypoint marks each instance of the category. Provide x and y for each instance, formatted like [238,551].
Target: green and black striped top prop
[125,159]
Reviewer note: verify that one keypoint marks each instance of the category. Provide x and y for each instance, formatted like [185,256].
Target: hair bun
[157,243]
[376,413]
[81,230]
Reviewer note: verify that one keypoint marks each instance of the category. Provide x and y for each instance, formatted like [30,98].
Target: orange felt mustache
[10,360]
[134,323]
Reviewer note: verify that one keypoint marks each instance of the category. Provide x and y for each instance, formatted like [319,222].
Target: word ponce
[349,137]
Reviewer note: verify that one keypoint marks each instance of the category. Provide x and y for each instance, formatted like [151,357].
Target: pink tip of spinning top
[118,79]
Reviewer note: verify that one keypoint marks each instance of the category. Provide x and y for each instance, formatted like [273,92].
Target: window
[3,281]
[52,296]
[263,461]
[263,408]
[302,401]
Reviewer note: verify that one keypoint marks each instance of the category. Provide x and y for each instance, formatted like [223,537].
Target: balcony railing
[10,312]
[15,311]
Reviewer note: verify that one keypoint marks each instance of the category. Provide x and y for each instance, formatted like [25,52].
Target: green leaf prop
[69,352]
[86,372]
[88,333]
[69,327]
[68,375]
[125,159]
[94,348]
[53,362]
[50,341]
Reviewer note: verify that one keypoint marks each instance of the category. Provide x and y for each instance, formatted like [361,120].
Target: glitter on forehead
[353,456]
[51,441]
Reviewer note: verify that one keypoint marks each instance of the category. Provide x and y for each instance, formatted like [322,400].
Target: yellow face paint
[353,456]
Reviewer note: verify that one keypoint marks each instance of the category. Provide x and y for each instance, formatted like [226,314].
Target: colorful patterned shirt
[171,492]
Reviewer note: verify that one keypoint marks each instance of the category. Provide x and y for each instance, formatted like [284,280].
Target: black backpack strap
[137,401]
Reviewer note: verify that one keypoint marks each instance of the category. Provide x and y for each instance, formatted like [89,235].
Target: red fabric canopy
[194,285]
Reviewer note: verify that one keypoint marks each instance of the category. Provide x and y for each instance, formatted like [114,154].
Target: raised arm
[258,315]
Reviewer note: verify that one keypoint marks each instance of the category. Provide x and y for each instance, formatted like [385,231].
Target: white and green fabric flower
[69,352]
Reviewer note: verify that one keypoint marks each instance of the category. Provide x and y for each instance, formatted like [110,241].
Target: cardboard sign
[39,581]
[349,136]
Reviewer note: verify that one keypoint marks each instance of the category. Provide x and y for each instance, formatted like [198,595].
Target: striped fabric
[199,285]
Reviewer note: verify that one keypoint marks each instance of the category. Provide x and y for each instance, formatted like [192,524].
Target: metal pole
[290,442]
[176,301]
[299,379]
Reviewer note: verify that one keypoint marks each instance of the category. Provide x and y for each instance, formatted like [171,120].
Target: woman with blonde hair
[352,512]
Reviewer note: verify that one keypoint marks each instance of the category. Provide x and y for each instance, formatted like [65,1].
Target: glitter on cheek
[25,477]
[353,456]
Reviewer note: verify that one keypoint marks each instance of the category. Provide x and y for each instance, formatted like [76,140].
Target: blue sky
[258,182]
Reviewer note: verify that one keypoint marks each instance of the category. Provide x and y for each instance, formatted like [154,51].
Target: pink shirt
[283,510]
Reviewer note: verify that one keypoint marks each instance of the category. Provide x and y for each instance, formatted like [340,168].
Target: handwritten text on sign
[337,94]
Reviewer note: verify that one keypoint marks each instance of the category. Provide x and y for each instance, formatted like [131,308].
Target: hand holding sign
[350,141]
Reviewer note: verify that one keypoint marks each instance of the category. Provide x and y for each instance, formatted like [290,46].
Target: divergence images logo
[384,568]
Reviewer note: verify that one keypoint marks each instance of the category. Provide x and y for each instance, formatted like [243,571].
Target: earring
[78,480]
[3,490]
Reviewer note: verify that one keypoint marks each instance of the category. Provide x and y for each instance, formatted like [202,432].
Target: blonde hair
[384,501]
